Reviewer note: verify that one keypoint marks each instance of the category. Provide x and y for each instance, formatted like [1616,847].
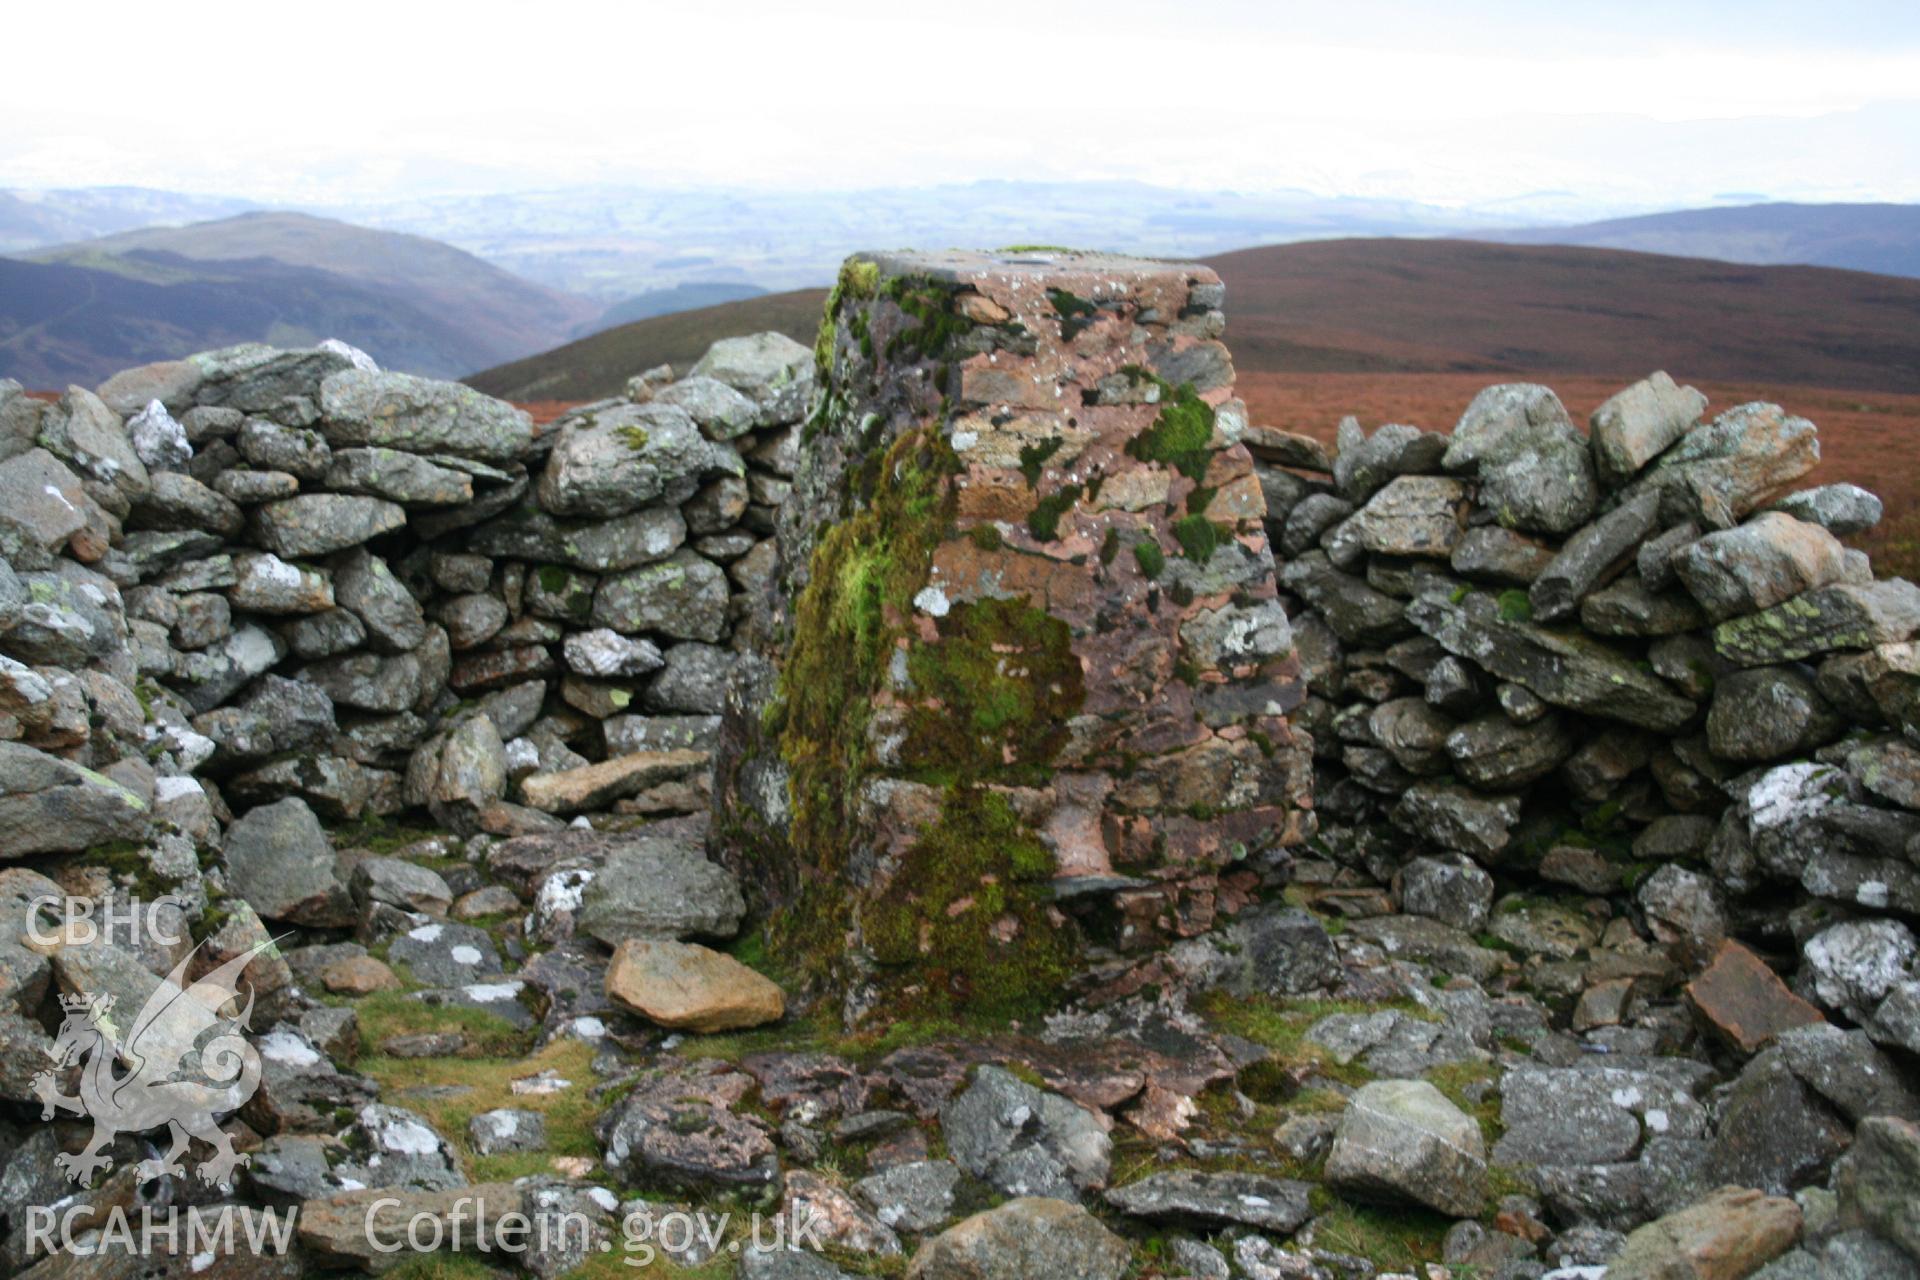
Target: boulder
[1627,607]
[1719,472]
[360,407]
[177,501]
[264,583]
[1413,732]
[1212,1200]
[314,524]
[595,786]
[507,1129]
[677,1125]
[89,437]
[276,716]
[171,383]
[721,412]
[770,369]
[1023,1140]
[612,459]
[275,447]
[370,1228]
[1846,1069]
[50,805]
[42,505]
[606,654]
[597,546]
[1025,1239]
[1825,619]
[1363,464]
[399,883]
[1413,516]
[1772,1132]
[445,954]
[1402,1141]
[1495,753]
[1851,966]
[1310,518]
[158,441]
[1744,1002]
[1770,558]
[1453,891]
[1879,1181]
[1765,713]
[1634,426]
[366,587]
[683,597]
[1458,818]
[916,1196]
[1592,1116]
[1727,1236]
[280,860]
[1685,912]
[1566,669]
[687,987]
[1357,613]
[398,476]
[210,677]
[1591,558]
[658,888]
[1840,509]
[1490,553]
[383,683]
[1535,469]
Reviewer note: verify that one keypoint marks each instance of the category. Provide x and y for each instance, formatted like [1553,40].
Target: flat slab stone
[691,988]
[1744,1001]
[1270,1204]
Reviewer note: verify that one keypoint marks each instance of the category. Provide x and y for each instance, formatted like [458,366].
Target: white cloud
[1456,102]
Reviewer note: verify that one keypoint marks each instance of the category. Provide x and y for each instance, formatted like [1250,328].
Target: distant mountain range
[79,312]
[1861,237]
[34,219]
[1374,305]
[663,302]
[609,258]
[613,242]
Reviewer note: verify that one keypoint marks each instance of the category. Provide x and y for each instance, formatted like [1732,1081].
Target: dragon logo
[181,1064]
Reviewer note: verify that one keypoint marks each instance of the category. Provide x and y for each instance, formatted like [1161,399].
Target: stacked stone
[1034,673]
[1628,662]
[256,576]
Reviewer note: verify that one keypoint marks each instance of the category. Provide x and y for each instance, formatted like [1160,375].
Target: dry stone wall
[260,576]
[1634,664]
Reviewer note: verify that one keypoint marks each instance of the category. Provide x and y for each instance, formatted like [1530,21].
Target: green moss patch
[1044,520]
[1075,312]
[1033,459]
[1151,559]
[1199,537]
[936,324]
[1181,437]
[968,912]
[996,692]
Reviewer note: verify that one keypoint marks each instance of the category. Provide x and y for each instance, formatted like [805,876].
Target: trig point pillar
[1024,721]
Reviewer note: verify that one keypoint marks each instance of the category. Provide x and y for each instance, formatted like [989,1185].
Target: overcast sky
[1669,102]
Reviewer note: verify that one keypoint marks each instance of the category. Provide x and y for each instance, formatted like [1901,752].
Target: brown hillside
[1431,306]
[1463,306]
[598,366]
